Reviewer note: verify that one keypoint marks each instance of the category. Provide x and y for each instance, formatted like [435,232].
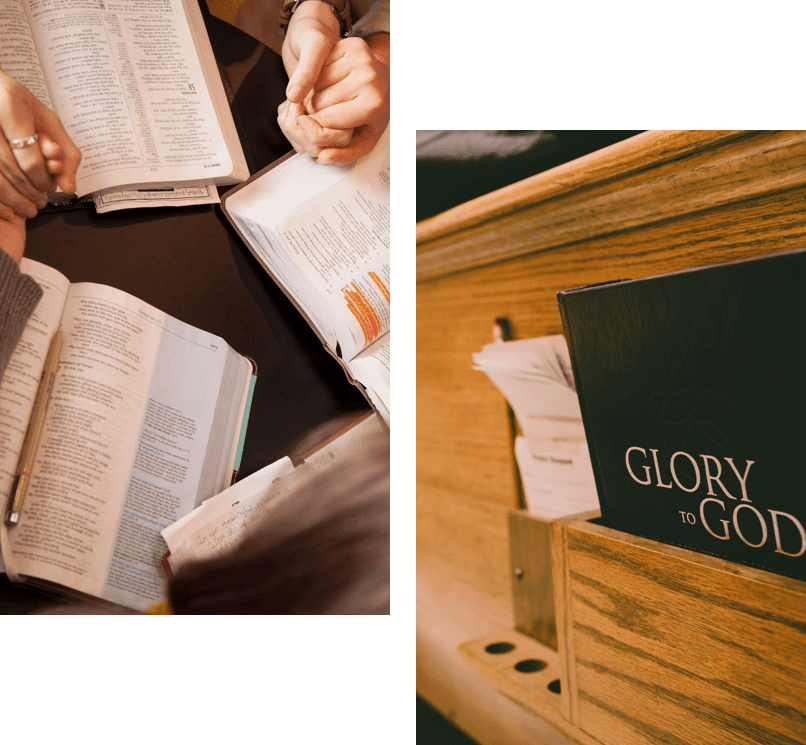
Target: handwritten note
[220,523]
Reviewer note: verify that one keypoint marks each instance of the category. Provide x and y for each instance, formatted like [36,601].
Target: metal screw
[518,572]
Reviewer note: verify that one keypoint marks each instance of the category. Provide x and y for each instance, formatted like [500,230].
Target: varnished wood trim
[662,634]
[562,609]
[530,565]
[582,524]
[529,691]
[649,178]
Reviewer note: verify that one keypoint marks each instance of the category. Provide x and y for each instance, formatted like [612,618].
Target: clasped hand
[28,173]
[338,90]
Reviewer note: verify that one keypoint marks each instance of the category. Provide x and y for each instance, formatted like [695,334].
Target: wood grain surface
[656,203]
[671,646]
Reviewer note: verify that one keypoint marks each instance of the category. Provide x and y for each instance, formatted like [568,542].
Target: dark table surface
[190,263]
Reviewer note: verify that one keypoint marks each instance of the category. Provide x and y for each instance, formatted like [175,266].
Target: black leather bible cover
[692,387]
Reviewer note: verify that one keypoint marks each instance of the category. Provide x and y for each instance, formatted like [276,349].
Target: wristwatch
[343,14]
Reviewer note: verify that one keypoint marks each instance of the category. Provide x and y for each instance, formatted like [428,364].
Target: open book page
[21,379]
[340,241]
[123,448]
[207,533]
[371,368]
[272,253]
[184,454]
[125,79]
[323,232]
[89,439]
[18,56]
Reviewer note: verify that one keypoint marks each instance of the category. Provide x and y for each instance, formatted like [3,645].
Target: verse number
[191,86]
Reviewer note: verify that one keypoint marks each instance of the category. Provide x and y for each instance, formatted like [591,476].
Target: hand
[311,34]
[12,234]
[28,174]
[305,134]
[352,92]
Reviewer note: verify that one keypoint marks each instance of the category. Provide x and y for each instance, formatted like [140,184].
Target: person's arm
[379,43]
[19,293]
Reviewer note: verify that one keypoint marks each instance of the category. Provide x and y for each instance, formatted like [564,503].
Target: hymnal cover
[691,386]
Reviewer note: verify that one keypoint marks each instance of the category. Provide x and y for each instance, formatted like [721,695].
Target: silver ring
[24,142]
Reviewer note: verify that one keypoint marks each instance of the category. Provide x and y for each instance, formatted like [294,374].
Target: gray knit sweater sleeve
[19,295]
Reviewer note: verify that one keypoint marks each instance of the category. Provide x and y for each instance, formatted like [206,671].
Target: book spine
[569,338]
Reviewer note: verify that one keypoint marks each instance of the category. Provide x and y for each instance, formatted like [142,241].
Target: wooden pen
[34,433]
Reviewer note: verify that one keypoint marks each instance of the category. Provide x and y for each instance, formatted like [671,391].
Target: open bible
[322,232]
[144,421]
[138,90]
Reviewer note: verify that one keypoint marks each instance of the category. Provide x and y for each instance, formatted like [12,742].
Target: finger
[25,169]
[49,147]
[323,98]
[333,73]
[361,144]
[321,136]
[15,176]
[289,110]
[356,76]
[32,164]
[52,154]
[288,117]
[352,113]
[342,61]
[17,122]
[19,204]
[56,144]
[314,50]
[64,175]
[306,103]
[66,183]
[16,190]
